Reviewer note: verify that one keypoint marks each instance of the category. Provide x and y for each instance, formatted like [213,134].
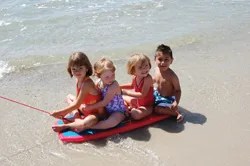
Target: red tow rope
[25,105]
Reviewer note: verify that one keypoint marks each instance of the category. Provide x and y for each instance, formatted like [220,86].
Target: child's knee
[158,110]
[136,115]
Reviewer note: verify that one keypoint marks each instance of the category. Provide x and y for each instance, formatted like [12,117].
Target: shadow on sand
[170,125]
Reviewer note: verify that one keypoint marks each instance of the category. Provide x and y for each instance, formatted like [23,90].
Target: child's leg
[179,116]
[168,111]
[164,110]
[113,120]
[78,125]
[70,99]
[130,101]
[141,112]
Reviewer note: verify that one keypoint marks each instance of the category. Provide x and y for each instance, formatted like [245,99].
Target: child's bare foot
[68,120]
[59,128]
[179,118]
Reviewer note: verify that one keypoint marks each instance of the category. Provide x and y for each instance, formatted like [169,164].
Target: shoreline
[216,90]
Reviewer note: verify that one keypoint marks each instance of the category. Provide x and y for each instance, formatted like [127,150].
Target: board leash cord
[26,105]
[17,102]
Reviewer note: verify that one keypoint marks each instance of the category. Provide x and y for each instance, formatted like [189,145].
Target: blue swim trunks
[162,100]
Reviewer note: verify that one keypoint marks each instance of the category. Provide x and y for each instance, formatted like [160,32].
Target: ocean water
[37,37]
[34,33]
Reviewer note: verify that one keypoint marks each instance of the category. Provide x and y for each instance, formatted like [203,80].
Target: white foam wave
[4,23]
[5,68]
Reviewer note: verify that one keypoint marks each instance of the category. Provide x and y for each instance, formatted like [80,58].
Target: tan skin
[130,96]
[167,84]
[107,78]
[86,86]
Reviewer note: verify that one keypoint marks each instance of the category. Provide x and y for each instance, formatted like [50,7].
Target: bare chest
[164,86]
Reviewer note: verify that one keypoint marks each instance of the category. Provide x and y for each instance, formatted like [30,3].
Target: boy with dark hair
[168,91]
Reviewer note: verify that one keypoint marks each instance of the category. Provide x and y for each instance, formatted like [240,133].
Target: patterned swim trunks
[162,100]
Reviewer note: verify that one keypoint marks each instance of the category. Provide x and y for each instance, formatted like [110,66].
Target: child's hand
[124,92]
[82,107]
[85,107]
[174,106]
[57,114]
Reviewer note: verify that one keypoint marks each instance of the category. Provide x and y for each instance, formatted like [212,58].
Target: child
[139,94]
[168,91]
[111,94]
[80,67]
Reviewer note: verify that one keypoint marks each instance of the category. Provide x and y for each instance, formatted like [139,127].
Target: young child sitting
[168,91]
[80,67]
[111,95]
[138,94]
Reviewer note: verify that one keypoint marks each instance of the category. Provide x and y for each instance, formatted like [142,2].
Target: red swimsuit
[146,101]
[89,99]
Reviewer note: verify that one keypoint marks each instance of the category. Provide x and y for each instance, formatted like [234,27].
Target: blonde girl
[139,93]
[80,67]
[111,95]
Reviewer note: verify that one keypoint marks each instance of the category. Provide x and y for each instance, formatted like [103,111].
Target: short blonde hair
[134,60]
[102,65]
[79,59]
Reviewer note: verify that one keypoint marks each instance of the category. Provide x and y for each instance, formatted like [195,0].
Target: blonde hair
[102,65]
[79,59]
[134,60]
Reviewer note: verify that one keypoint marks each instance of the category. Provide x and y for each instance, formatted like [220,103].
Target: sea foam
[4,68]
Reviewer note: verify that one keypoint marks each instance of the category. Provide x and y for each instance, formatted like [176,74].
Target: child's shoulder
[88,83]
[115,84]
[148,78]
[114,87]
[169,73]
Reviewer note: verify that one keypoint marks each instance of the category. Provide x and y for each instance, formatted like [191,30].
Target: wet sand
[215,99]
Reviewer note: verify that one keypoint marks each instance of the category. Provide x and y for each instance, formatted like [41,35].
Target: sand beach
[213,66]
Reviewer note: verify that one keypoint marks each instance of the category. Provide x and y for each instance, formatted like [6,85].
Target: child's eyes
[111,76]
[144,66]
[161,60]
[77,68]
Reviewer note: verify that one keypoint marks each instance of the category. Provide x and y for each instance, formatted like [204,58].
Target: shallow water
[34,33]
[210,40]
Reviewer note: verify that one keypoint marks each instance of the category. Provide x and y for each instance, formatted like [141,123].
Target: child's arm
[154,80]
[177,88]
[76,104]
[112,91]
[148,82]
[126,86]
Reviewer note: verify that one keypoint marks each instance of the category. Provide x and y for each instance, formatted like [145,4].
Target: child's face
[163,61]
[107,77]
[79,71]
[142,70]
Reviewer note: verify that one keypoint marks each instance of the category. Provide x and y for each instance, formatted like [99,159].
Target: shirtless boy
[168,90]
